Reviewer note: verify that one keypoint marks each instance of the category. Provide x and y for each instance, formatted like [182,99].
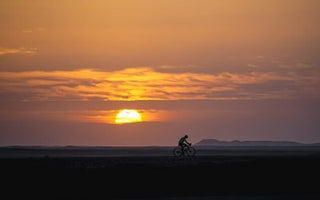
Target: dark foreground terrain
[153,173]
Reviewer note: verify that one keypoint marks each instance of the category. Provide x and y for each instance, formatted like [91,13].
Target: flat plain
[154,173]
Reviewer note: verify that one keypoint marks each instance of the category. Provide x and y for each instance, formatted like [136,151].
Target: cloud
[27,31]
[145,83]
[33,30]
[4,51]
[90,116]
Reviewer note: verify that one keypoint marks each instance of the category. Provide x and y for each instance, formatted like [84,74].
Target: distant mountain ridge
[214,142]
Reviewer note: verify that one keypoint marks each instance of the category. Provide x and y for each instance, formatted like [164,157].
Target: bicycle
[187,150]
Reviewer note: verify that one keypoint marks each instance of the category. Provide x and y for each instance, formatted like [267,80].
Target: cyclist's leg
[183,146]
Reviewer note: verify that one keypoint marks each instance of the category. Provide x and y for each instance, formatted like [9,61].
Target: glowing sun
[128,116]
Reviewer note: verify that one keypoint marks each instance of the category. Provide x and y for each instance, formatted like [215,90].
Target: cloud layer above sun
[22,50]
[146,83]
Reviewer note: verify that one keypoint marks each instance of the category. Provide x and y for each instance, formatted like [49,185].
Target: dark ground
[232,173]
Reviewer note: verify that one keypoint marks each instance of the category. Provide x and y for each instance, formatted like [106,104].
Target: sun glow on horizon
[128,116]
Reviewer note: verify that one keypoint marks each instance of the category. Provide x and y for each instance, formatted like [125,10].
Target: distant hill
[214,142]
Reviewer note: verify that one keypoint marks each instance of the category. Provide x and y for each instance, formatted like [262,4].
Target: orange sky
[88,52]
[120,34]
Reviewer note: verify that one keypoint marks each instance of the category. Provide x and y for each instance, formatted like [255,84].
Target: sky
[229,70]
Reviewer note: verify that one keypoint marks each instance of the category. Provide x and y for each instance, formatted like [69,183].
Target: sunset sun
[128,116]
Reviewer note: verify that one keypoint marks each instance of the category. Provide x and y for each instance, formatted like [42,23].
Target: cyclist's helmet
[186,136]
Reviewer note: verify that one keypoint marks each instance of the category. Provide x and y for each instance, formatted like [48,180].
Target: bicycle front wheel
[191,151]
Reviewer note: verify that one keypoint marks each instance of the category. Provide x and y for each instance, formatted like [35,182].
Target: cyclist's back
[183,141]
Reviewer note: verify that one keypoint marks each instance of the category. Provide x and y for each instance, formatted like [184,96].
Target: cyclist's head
[186,136]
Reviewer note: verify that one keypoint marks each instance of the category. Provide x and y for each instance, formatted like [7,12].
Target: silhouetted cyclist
[183,142]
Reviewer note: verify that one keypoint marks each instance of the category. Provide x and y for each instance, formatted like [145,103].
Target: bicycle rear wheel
[177,152]
[190,151]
